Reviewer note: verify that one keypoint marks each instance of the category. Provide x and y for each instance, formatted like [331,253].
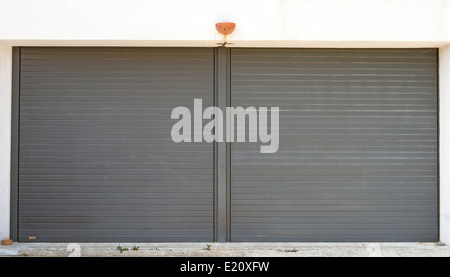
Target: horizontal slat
[117,215]
[129,208]
[114,50]
[151,179]
[114,219]
[113,185]
[93,191]
[119,237]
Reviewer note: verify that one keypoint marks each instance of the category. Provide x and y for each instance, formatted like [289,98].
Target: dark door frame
[222,151]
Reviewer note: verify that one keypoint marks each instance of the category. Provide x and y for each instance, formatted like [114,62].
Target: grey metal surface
[97,162]
[222,153]
[358,146]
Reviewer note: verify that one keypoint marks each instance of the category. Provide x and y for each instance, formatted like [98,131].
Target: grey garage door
[357,159]
[358,146]
[96,160]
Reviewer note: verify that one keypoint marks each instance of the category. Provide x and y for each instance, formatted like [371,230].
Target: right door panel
[357,159]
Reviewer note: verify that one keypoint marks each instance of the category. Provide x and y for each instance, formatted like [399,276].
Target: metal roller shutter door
[96,160]
[358,146]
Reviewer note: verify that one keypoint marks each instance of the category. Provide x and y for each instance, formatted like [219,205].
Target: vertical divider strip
[228,161]
[222,198]
[215,217]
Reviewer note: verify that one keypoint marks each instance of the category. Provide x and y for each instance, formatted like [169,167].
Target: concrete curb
[227,250]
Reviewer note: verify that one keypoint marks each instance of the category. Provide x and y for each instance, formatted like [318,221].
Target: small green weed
[121,249]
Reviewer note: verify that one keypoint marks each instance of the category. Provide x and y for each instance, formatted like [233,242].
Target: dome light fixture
[225,28]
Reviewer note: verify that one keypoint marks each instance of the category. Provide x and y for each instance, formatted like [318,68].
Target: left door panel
[96,157]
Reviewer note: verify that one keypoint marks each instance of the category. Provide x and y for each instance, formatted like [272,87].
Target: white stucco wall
[260,23]
[444,120]
[5,137]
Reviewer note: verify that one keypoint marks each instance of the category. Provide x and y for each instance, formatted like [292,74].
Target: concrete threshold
[226,250]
